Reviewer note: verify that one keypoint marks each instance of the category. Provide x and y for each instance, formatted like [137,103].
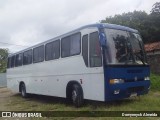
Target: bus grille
[135,89]
[132,80]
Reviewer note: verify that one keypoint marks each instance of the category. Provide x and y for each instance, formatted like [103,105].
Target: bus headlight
[116,81]
[146,78]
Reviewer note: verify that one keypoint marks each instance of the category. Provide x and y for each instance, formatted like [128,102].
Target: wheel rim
[74,95]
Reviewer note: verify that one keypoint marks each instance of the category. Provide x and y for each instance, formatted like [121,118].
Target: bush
[155,82]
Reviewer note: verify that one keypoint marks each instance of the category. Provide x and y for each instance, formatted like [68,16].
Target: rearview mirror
[102,39]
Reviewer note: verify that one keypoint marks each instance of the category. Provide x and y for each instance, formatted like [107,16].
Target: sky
[28,22]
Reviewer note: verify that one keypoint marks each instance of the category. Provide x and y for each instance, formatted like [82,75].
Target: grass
[149,102]
[155,82]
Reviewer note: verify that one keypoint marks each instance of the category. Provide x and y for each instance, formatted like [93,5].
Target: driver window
[94,50]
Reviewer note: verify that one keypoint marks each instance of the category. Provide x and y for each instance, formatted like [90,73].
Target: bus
[100,62]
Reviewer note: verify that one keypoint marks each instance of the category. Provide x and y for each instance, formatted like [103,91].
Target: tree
[154,19]
[156,8]
[137,20]
[3,59]
[147,24]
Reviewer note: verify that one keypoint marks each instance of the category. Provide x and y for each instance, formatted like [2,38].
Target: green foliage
[3,60]
[154,19]
[155,82]
[156,8]
[147,24]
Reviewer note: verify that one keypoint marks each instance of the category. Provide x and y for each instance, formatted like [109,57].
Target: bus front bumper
[126,90]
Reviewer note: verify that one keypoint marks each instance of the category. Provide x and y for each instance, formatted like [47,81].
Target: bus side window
[9,62]
[38,54]
[70,45]
[52,50]
[18,60]
[12,61]
[65,47]
[75,44]
[27,57]
[85,49]
[94,50]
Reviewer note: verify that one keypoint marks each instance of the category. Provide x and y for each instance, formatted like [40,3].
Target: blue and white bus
[101,62]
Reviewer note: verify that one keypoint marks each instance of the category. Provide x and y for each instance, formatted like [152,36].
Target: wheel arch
[69,87]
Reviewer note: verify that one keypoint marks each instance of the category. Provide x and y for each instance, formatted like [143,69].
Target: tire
[23,91]
[77,95]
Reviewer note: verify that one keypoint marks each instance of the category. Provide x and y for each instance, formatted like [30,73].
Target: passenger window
[27,57]
[94,50]
[52,50]
[9,62]
[12,61]
[85,49]
[75,44]
[38,54]
[71,45]
[18,61]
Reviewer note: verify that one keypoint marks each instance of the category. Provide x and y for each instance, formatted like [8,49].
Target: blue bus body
[134,81]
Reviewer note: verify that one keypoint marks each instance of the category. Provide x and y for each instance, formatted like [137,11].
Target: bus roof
[97,25]
[111,26]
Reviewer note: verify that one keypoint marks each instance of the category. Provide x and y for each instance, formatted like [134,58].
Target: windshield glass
[124,47]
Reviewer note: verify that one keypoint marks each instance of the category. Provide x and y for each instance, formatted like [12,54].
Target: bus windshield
[124,47]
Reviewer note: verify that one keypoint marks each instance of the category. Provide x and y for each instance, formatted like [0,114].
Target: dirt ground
[5,96]
[5,99]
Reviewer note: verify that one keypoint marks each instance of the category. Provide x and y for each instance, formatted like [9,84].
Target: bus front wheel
[23,90]
[77,95]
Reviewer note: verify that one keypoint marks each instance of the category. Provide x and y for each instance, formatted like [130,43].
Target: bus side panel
[51,78]
[93,86]
[17,75]
[13,84]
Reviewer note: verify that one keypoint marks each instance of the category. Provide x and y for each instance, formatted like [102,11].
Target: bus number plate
[133,95]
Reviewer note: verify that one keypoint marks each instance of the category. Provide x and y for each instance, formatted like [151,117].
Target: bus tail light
[116,81]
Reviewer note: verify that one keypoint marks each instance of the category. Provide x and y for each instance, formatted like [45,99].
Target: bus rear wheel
[23,90]
[77,95]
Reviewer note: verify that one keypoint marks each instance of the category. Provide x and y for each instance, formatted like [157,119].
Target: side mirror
[102,39]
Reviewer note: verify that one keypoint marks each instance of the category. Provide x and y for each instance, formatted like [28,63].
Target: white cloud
[28,22]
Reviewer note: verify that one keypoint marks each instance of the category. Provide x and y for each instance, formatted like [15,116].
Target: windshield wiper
[140,57]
